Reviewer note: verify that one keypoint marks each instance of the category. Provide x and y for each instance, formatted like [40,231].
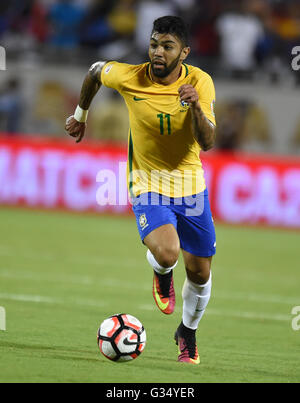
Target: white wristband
[81,115]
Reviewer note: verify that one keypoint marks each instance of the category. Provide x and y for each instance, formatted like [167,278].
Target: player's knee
[167,256]
[200,276]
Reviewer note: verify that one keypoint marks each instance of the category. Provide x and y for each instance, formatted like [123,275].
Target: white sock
[195,300]
[156,266]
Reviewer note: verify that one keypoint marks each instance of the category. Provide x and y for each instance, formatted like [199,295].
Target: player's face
[166,52]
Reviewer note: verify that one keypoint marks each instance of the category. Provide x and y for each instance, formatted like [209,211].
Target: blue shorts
[191,216]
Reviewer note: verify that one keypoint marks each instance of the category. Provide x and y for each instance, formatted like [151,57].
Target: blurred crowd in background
[244,34]
[232,40]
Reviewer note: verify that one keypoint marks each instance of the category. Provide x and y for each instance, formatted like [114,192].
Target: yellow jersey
[163,155]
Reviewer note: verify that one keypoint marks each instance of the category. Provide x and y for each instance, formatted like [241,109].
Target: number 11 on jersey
[162,117]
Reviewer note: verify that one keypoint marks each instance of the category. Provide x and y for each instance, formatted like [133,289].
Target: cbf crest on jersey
[184,105]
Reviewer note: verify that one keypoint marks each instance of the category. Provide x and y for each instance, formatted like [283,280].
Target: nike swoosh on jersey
[139,99]
[162,305]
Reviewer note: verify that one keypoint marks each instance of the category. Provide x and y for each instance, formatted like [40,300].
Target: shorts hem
[198,253]
[153,228]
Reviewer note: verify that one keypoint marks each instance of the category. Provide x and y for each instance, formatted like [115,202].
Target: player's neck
[170,79]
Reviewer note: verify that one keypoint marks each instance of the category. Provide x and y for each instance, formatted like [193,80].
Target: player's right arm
[76,124]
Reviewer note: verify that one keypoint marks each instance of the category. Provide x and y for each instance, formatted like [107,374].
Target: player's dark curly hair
[172,25]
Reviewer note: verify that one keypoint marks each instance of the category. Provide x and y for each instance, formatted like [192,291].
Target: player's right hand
[75,129]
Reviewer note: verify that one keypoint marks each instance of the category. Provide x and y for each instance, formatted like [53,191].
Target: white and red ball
[121,338]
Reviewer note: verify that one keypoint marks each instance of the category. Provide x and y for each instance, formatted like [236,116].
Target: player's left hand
[188,94]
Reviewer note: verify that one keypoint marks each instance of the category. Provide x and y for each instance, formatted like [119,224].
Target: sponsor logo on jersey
[139,99]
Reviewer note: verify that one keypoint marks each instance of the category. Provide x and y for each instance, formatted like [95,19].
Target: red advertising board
[254,189]
[51,174]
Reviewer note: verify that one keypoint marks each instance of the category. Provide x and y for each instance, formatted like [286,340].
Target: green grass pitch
[62,274]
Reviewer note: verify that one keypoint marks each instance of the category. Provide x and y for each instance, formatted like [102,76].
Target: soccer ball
[121,338]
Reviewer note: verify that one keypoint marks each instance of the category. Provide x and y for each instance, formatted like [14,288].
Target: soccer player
[171,111]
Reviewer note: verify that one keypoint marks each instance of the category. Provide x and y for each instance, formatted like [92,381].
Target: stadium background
[246,47]
[253,174]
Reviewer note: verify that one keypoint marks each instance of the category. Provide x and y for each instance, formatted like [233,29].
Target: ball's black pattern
[111,339]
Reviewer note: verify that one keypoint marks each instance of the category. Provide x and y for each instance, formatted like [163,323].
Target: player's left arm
[204,129]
